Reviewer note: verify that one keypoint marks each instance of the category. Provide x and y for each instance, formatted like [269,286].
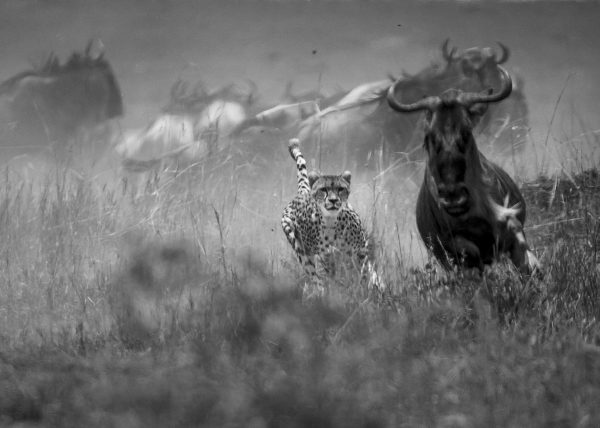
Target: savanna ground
[181,307]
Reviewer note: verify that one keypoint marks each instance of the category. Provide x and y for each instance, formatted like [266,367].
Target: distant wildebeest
[469,210]
[505,126]
[316,122]
[48,105]
[292,110]
[193,125]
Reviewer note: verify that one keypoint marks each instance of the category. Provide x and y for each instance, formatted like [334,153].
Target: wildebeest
[193,125]
[48,105]
[469,210]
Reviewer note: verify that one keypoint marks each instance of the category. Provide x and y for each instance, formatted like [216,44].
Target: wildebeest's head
[452,154]
[477,63]
[330,191]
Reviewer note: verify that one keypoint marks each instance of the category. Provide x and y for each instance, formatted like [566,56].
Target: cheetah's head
[330,191]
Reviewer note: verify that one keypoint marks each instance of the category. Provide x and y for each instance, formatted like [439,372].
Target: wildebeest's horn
[467,99]
[100,55]
[94,43]
[178,90]
[448,56]
[287,93]
[428,103]
[88,48]
[505,53]
[252,91]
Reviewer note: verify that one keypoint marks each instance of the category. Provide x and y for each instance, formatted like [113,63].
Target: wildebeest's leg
[513,237]
[520,253]
[464,250]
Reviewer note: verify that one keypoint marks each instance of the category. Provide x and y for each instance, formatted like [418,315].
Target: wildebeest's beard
[452,158]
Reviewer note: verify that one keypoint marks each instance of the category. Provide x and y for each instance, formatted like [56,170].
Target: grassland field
[180,307]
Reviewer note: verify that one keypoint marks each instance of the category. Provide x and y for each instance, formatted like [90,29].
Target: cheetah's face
[330,191]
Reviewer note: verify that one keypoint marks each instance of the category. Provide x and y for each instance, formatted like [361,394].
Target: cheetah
[319,222]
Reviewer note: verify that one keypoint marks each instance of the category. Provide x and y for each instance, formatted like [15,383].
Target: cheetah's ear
[312,177]
[346,175]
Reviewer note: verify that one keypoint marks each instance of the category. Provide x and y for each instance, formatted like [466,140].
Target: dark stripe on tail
[303,184]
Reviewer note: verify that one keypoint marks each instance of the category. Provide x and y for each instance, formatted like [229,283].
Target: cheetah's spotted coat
[319,222]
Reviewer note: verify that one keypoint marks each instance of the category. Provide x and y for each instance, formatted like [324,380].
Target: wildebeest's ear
[346,175]
[476,111]
[312,177]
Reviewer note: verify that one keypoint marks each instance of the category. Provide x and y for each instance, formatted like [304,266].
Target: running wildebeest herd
[451,114]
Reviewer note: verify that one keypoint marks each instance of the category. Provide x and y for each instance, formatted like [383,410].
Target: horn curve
[467,99]
[88,48]
[448,56]
[505,53]
[428,103]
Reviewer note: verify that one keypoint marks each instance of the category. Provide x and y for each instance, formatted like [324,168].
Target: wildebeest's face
[452,153]
[453,167]
[330,191]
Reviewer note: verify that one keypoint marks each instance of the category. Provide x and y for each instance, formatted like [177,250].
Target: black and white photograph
[299,213]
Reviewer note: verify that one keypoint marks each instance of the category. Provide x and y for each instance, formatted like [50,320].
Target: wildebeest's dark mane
[52,67]
[75,63]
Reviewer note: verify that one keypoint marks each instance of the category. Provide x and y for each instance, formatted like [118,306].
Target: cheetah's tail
[294,148]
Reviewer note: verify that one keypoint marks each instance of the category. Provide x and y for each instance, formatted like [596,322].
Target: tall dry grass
[180,306]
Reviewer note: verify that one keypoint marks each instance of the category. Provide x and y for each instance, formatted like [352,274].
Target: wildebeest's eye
[463,141]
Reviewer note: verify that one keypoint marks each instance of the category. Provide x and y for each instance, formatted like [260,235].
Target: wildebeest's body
[469,210]
[51,104]
[440,230]
[191,127]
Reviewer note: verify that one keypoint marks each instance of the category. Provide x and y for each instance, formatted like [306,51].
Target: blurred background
[318,45]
